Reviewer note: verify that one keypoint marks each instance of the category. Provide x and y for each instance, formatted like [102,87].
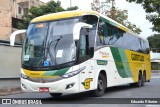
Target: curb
[155,71]
[10,91]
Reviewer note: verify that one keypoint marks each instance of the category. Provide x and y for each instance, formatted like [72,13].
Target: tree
[72,8]
[121,16]
[154,41]
[50,7]
[152,7]
[100,7]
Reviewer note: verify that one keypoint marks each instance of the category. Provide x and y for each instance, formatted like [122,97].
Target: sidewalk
[10,86]
[155,71]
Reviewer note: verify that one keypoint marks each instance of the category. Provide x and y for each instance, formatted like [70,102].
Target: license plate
[43,89]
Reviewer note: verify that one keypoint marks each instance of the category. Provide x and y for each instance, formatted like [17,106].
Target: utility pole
[70,3]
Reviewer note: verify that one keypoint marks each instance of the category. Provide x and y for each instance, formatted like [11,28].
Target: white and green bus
[78,51]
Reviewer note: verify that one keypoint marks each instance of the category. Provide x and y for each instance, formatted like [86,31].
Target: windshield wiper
[48,49]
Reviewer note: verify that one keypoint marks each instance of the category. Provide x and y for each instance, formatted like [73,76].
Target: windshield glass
[49,43]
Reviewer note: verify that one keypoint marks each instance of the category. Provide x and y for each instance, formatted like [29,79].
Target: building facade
[10,12]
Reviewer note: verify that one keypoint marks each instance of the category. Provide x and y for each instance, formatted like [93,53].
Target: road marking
[152,106]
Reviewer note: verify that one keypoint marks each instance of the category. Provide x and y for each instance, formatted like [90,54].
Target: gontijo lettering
[137,57]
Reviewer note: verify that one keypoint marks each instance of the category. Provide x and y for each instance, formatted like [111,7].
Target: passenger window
[147,47]
[144,50]
[91,19]
[100,35]
[100,40]
[84,47]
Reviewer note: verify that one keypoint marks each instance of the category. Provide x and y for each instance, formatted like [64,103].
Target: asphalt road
[150,90]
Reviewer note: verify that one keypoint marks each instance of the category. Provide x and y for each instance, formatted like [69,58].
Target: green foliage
[155,66]
[154,41]
[133,27]
[72,8]
[152,7]
[50,7]
[121,16]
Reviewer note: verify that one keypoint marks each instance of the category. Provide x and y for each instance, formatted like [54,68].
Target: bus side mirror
[77,29]
[13,36]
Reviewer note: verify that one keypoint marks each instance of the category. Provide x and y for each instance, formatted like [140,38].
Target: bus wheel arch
[101,84]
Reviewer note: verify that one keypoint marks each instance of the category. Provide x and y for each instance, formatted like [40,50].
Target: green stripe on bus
[49,73]
[125,62]
[110,22]
[119,61]
[56,72]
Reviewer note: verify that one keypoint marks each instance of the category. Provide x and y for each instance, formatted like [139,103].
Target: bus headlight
[24,76]
[73,73]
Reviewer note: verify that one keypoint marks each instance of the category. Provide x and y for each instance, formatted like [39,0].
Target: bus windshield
[49,43]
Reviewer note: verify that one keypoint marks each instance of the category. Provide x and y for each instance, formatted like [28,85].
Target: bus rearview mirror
[13,36]
[77,29]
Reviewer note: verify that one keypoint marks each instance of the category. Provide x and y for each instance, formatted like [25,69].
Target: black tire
[101,86]
[132,84]
[139,83]
[143,80]
[56,94]
[145,76]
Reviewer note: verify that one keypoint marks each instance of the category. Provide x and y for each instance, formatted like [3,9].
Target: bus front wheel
[100,86]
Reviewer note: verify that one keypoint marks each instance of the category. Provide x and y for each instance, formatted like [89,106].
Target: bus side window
[147,47]
[100,36]
[84,46]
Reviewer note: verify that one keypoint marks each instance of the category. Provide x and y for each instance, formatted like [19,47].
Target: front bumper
[54,87]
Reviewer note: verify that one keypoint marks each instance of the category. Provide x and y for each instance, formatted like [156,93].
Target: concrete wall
[155,55]
[10,61]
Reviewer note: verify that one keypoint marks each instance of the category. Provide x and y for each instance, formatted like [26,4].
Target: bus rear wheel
[143,79]
[140,80]
[56,94]
[100,86]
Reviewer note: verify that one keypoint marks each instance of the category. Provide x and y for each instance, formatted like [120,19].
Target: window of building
[25,10]
[19,10]
[32,2]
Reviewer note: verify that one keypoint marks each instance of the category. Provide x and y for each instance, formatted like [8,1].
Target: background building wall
[9,9]
[5,19]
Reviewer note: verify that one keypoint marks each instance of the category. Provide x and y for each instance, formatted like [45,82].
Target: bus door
[86,76]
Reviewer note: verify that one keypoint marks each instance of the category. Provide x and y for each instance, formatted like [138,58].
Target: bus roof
[61,15]
[76,13]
